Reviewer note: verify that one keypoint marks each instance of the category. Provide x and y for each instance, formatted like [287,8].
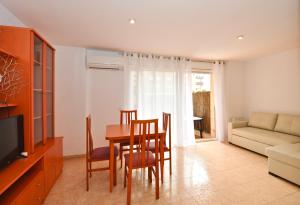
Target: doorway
[203,106]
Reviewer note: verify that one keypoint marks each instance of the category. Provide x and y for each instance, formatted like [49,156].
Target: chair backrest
[126,116]
[142,131]
[167,126]
[89,137]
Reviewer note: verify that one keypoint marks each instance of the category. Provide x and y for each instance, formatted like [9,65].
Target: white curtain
[219,90]
[156,84]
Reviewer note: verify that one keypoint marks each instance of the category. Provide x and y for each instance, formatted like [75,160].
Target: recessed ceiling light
[240,37]
[132,21]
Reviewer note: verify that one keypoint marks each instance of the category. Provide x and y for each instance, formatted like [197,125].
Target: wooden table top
[119,132]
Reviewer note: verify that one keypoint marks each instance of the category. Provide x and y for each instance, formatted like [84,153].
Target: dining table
[118,133]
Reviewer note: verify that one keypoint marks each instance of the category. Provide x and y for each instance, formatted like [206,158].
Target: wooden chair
[142,157]
[126,116]
[166,119]
[95,154]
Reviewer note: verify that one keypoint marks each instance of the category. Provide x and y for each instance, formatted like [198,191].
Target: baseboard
[74,156]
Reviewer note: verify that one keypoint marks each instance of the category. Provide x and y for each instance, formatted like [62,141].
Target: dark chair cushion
[137,160]
[102,153]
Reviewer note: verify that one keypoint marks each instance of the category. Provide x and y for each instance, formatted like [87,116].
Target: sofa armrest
[235,124]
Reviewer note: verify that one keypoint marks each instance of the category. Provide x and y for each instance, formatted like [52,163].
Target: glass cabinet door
[38,91]
[49,92]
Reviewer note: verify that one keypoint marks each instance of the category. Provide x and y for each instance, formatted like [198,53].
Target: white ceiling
[203,29]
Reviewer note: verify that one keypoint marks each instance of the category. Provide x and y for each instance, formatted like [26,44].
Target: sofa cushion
[289,124]
[263,120]
[286,153]
[265,136]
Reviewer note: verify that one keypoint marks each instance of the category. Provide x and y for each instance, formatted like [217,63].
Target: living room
[112,56]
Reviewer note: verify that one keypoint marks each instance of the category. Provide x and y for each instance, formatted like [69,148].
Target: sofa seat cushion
[286,153]
[265,136]
[263,120]
[289,124]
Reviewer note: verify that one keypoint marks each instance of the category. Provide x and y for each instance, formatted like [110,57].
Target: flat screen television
[11,139]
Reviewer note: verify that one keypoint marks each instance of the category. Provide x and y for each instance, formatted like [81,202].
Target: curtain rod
[169,57]
[202,61]
[193,60]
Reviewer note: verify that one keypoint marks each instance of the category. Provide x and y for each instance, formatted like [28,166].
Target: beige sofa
[274,135]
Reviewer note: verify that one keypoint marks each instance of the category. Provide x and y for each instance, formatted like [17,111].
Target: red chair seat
[102,153]
[137,160]
[152,147]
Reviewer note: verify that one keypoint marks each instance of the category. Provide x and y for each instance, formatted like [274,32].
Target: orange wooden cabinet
[53,165]
[35,94]
[28,181]
[35,176]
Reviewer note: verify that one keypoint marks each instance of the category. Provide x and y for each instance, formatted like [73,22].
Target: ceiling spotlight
[240,37]
[132,21]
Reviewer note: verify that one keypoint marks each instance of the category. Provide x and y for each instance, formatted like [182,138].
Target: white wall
[70,98]
[234,88]
[272,83]
[80,91]
[104,100]
[269,84]
[104,96]
[8,19]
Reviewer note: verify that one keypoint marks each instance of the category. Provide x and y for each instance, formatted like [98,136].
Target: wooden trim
[44,104]
[74,156]
[31,97]
[53,90]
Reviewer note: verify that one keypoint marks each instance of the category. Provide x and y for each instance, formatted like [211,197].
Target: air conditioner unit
[105,62]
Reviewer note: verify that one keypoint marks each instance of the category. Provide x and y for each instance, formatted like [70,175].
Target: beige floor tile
[291,199]
[207,173]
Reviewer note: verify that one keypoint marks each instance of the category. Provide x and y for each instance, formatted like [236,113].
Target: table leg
[111,165]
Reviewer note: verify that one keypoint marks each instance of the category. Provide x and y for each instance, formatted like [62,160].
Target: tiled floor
[207,173]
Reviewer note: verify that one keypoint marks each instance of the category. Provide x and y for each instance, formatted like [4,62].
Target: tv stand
[29,180]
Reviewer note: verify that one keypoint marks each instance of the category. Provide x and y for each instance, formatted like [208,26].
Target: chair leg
[121,156]
[129,186]
[150,174]
[87,176]
[162,173]
[90,165]
[170,164]
[115,171]
[161,164]
[125,176]
[157,183]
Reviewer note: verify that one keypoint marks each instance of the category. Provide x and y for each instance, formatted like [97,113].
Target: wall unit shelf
[28,180]
[7,106]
